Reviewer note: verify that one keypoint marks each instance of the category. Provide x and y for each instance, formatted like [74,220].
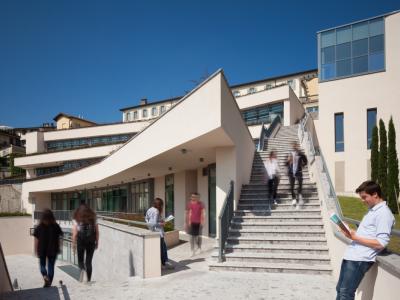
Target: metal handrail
[224,220]
[261,139]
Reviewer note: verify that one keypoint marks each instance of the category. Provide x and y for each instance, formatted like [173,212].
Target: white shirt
[272,167]
[376,225]
[153,220]
[295,161]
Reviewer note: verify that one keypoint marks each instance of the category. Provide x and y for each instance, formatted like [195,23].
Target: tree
[393,169]
[382,173]
[374,154]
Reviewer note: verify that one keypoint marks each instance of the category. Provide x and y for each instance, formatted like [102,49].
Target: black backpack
[87,232]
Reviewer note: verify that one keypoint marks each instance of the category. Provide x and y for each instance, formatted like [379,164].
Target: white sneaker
[275,202]
[301,201]
[294,202]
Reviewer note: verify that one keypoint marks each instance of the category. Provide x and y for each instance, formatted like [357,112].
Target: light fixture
[133,178]
[201,159]
[183,150]
[169,168]
[148,174]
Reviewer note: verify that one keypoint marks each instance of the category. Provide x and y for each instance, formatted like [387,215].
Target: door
[212,201]
[169,195]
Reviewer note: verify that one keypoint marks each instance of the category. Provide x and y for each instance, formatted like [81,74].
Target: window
[128,117]
[262,114]
[292,83]
[252,90]
[144,113]
[135,115]
[312,109]
[162,109]
[371,123]
[154,111]
[339,133]
[236,93]
[269,86]
[352,50]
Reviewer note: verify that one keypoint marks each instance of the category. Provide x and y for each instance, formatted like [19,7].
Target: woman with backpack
[85,238]
[47,245]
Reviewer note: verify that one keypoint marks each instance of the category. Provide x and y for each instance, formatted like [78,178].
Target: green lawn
[353,208]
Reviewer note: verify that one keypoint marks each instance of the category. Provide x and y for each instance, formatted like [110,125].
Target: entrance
[212,201]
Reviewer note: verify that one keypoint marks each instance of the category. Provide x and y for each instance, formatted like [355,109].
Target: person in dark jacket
[47,245]
[85,238]
[296,161]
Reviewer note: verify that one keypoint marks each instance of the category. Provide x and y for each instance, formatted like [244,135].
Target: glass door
[169,195]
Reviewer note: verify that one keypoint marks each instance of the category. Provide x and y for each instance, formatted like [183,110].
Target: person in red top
[195,215]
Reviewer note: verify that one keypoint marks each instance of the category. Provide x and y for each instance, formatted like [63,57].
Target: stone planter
[171,238]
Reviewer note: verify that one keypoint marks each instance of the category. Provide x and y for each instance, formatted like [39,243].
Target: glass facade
[66,166]
[352,50]
[142,193]
[339,132]
[261,114]
[312,109]
[169,195]
[86,142]
[131,197]
[371,123]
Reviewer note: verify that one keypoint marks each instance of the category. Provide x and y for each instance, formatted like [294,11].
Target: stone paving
[191,279]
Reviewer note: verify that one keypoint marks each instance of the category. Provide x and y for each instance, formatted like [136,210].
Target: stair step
[280,213]
[273,218]
[274,226]
[277,240]
[277,232]
[249,257]
[271,268]
[260,248]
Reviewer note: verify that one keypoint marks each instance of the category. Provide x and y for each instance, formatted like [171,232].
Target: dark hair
[158,203]
[47,217]
[370,187]
[84,214]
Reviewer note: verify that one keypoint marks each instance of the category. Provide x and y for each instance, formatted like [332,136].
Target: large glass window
[371,123]
[352,50]
[154,111]
[86,142]
[144,113]
[339,133]
[261,114]
[141,196]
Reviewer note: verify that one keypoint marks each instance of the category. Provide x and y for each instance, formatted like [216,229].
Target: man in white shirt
[296,161]
[372,236]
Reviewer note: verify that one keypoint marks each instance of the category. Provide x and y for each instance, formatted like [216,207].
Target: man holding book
[371,237]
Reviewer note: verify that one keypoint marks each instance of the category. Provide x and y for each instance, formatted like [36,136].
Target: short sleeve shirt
[195,207]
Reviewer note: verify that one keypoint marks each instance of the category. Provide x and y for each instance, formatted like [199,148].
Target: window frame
[336,139]
[373,109]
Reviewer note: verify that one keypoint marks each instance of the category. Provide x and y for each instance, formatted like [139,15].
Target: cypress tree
[382,173]
[393,169]
[374,154]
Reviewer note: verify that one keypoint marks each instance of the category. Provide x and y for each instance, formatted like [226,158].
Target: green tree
[382,173]
[13,169]
[393,169]
[374,154]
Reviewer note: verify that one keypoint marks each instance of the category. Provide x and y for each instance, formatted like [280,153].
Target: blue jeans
[51,261]
[351,274]
[164,255]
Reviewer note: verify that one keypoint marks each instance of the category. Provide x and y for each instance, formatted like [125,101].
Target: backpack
[87,232]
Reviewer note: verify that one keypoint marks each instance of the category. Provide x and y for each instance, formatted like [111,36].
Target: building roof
[232,86]
[273,78]
[359,21]
[152,103]
[72,117]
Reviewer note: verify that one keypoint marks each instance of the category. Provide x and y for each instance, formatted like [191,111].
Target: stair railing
[224,221]
[266,133]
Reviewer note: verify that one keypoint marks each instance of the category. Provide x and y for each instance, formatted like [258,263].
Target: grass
[13,214]
[353,208]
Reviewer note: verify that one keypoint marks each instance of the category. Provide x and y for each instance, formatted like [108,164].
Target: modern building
[359,72]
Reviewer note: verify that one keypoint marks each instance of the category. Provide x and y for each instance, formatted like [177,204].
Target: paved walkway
[190,280]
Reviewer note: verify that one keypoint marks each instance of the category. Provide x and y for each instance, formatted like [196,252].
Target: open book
[335,219]
[169,218]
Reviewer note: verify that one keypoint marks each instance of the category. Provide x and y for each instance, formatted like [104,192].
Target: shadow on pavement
[51,293]
[182,265]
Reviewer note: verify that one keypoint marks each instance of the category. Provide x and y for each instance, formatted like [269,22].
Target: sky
[94,57]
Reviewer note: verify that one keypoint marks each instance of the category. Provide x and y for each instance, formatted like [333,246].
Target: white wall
[353,96]
[268,96]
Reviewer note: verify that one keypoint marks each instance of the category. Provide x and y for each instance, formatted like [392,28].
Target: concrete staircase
[282,239]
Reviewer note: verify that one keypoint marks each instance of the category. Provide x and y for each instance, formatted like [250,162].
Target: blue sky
[92,58]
